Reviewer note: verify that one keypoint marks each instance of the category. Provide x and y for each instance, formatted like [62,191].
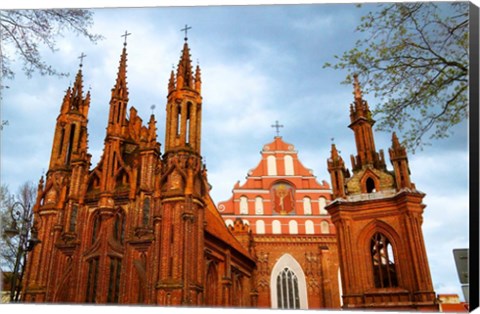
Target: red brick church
[141,228]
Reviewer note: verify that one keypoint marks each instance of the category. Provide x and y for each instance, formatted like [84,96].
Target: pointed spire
[356,87]
[184,69]
[334,152]
[77,91]
[120,89]
[198,79]
[395,141]
[152,129]
[171,82]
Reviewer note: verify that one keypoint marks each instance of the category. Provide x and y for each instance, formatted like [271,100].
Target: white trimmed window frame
[288,261]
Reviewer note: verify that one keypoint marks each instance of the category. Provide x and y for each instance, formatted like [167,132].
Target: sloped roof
[216,227]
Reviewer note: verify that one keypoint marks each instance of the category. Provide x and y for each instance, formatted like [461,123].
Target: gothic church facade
[141,228]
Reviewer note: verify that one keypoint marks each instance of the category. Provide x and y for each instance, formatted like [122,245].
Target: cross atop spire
[125,35]
[277,127]
[81,58]
[185,29]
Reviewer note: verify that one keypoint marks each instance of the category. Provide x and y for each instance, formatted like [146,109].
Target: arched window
[260,226]
[322,202]
[114,282]
[288,160]
[384,273]
[276,227]
[271,166]
[243,205]
[287,290]
[92,279]
[237,290]
[119,227]
[307,205]
[211,284]
[179,119]
[259,205]
[309,228]
[73,218]
[146,211]
[293,227]
[370,185]
[229,222]
[96,227]
[288,284]
[187,129]
[324,227]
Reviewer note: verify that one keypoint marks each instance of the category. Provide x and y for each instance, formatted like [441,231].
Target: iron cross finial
[185,29]
[277,126]
[81,58]
[125,35]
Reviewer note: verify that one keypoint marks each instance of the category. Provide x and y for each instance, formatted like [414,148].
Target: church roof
[216,227]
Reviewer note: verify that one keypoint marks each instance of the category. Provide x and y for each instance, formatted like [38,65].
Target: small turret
[336,167]
[398,157]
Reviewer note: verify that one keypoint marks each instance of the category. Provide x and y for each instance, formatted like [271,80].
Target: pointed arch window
[95,228]
[119,227]
[178,114]
[92,280]
[146,211]
[114,282]
[383,262]
[70,143]
[211,284]
[287,290]
[73,218]
[288,286]
[188,122]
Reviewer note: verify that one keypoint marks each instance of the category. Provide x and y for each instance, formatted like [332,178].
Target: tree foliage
[414,58]
[10,245]
[25,32]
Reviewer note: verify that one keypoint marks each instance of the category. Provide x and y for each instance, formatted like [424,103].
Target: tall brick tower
[182,190]
[378,216]
[59,196]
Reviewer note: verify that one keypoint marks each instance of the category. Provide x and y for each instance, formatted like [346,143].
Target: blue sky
[259,64]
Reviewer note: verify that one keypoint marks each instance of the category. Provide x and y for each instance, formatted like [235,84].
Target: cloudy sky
[259,64]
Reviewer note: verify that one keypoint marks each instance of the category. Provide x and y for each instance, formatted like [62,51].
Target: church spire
[362,125]
[184,69]
[70,138]
[120,90]
[119,98]
[184,105]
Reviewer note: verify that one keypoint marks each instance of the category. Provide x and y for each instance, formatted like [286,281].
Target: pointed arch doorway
[288,288]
